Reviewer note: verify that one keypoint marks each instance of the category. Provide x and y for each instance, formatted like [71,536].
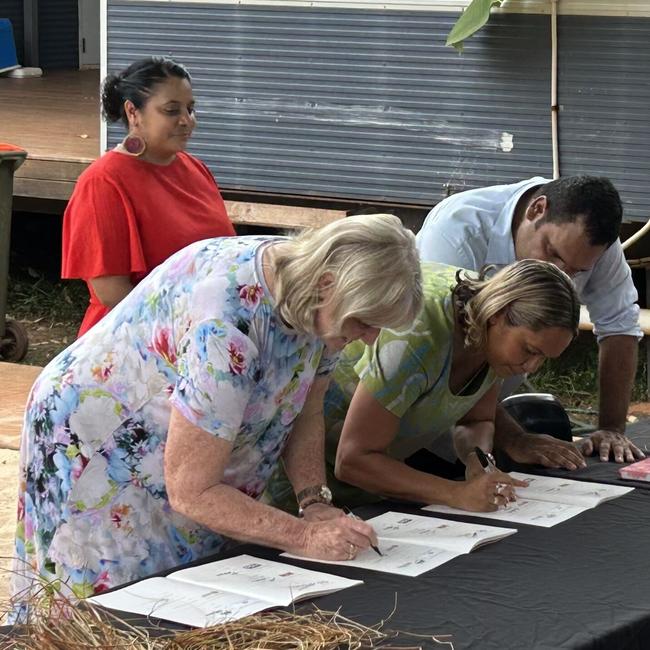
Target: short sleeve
[205,170]
[392,371]
[215,365]
[100,236]
[610,295]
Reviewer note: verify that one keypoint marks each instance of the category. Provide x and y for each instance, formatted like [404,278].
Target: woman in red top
[145,199]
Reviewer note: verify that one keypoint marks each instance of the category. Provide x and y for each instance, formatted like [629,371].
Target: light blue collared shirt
[474,228]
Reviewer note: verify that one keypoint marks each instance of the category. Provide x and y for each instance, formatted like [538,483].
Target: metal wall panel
[568,7]
[58,34]
[604,94]
[351,103]
[13,9]
[370,105]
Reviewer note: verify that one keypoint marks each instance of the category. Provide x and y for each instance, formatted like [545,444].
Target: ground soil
[47,339]
[639,410]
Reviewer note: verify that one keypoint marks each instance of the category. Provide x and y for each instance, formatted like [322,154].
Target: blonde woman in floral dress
[148,442]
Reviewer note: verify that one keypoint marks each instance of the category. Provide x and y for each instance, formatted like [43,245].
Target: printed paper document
[413,544]
[546,501]
[222,591]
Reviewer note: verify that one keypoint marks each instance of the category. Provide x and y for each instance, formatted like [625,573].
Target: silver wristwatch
[311,495]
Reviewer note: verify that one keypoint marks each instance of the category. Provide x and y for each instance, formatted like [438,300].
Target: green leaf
[83,589]
[470,21]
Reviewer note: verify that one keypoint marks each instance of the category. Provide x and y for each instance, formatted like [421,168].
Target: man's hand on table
[609,444]
[542,449]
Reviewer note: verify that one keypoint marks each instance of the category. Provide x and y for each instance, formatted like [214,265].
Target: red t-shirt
[127,215]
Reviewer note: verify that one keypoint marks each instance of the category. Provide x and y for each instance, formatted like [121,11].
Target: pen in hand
[487,465]
[351,514]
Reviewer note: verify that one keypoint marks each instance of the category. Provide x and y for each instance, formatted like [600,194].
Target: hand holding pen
[340,538]
[503,488]
[487,460]
[349,513]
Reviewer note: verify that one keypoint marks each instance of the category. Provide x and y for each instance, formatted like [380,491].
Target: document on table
[522,511]
[564,490]
[222,591]
[547,501]
[181,602]
[456,536]
[413,544]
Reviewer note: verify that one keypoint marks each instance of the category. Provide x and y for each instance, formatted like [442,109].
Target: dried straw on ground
[55,624]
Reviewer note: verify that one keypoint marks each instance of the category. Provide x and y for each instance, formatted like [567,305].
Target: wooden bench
[280,216]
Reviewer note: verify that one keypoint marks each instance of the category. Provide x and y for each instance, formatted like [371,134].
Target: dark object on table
[539,413]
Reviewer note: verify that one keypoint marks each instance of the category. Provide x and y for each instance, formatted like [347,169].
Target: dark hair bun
[112,100]
[136,84]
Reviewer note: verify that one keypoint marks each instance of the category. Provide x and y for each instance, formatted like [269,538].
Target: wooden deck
[15,383]
[55,118]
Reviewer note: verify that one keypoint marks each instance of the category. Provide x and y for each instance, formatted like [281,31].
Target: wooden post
[30,39]
[646,343]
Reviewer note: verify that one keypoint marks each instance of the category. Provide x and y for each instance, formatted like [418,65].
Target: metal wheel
[14,343]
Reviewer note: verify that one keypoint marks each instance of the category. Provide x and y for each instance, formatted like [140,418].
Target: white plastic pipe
[636,236]
[554,105]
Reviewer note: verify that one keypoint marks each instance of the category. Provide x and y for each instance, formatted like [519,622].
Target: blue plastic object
[8,58]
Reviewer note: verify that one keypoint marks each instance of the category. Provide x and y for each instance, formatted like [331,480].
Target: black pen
[488,467]
[486,464]
[349,513]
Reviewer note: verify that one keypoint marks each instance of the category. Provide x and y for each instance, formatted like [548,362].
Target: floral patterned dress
[200,333]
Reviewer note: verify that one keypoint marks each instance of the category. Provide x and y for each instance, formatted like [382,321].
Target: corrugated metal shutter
[351,103]
[13,9]
[58,34]
[371,105]
[604,94]
[628,8]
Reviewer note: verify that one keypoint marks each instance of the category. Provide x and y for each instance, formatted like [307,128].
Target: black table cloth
[582,584]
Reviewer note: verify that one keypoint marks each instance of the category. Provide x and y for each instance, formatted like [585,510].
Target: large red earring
[134,145]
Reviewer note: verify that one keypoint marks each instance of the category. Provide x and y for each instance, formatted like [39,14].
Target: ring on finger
[500,488]
[495,500]
[351,549]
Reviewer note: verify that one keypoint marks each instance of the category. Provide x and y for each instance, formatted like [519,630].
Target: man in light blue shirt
[573,222]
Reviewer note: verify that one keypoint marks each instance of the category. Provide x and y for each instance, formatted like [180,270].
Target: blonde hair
[375,272]
[531,293]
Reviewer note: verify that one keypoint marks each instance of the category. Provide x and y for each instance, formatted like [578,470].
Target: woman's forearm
[232,513]
[304,454]
[194,466]
[471,435]
[378,473]
[111,289]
